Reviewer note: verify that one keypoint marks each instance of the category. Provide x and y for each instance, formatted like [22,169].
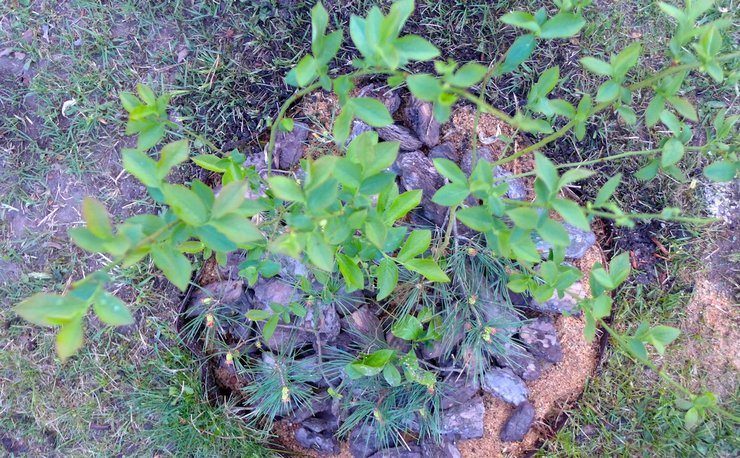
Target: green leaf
[637,349]
[574,175]
[285,188]
[521,19]
[150,137]
[451,194]
[413,47]
[519,52]
[572,213]
[524,217]
[654,109]
[112,310]
[673,151]
[720,171]
[146,94]
[391,375]
[664,334]
[69,338]
[238,229]
[449,170]
[319,21]
[378,359]
[416,243]
[185,204]
[691,419]
[269,329]
[210,162]
[141,166]
[562,25]
[96,217]
[407,328]
[305,71]
[602,306]
[424,87]
[684,107]
[554,233]
[596,66]
[648,172]
[619,269]
[175,265]
[172,154]
[370,110]
[352,274]
[49,309]
[477,218]
[606,191]
[258,315]
[468,75]
[229,199]
[428,268]
[607,92]
[628,115]
[129,101]
[546,171]
[387,274]
[320,253]
[625,60]
[402,205]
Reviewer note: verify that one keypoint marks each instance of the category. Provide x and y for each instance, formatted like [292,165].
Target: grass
[225,60]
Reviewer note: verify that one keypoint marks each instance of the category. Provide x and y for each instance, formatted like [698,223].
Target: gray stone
[403,346]
[399,452]
[517,190]
[445,151]
[443,450]
[396,133]
[363,441]
[421,119]
[483,153]
[229,293]
[580,242]
[325,444]
[557,304]
[319,403]
[323,422]
[505,385]
[346,303]
[540,338]
[289,146]
[291,267]
[432,350]
[418,172]
[498,313]
[518,423]
[459,390]
[464,421]
[358,128]
[364,321]
[520,361]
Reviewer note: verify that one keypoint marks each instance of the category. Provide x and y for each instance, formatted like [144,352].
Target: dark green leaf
[269,329]
[185,204]
[721,171]
[413,47]
[596,66]
[572,213]
[468,75]
[519,52]
[387,274]
[524,217]
[562,25]
[424,87]
[352,274]
[451,194]
[521,19]
[546,171]
[607,92]
[285,188]
[370,110]
[391,375]
[320,253]
[407,327]
[141,166]
[172,154]
[606,191]
[402,205]
[449,170]
[673,151]
[477,218]
[173,264]
[416,243]
[428,268]
[96,217]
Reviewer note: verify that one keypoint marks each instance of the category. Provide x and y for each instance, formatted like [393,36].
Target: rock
[517,190]
[520,361]
[518,423]
[364,321]
[556,304]
[389,97]
[291,267]
[498,313]
[432,350]
[459,391]
[580,242]
[421,119]
[466,163]
[289,146]
[399,452]
[403,346]
[445,151]
[358,127]
[505,385]
[229,293]
[322,402]
[396,133]
[418,172]
[323,422]
[325,444]
[328,324]
[363,441]
[541,339]
[271,291]
[346,303]
[443,450]
[463,421]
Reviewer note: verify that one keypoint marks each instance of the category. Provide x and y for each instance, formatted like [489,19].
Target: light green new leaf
[50,309]
[172,154]
[416,243]
[428,268]
[96,217]
[402,205]
[562,25]
[413,47]
[111,310]
[285,188]
[175,265]
[352,274]
[673,151]
[450,170]
[185,204]
[141,166]
[408,327]
[721,171]
[69,339]
[572,213]
[468,75]
[387,273]
[596,66]
[370,110]
[320,253]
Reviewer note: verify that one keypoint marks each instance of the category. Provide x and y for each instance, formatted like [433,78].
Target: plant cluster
[345,217]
